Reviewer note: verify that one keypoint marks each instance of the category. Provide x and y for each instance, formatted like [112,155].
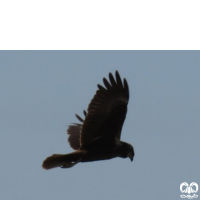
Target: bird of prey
[97,137]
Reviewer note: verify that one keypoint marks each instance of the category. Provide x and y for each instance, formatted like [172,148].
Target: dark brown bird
[98,135]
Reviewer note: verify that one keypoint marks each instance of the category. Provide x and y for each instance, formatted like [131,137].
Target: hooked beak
[130,155]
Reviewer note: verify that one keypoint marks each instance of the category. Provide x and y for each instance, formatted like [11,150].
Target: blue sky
[42,90]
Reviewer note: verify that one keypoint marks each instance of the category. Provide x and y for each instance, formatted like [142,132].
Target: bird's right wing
[74,131]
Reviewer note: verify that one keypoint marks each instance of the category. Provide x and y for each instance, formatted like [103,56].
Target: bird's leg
[69,164]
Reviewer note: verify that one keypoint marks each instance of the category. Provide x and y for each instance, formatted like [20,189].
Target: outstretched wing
[74,132]
[106,111]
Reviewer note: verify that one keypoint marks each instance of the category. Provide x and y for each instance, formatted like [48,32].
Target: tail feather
[59,160]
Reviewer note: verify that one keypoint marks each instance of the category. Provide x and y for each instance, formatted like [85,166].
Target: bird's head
[130,152]
[127,151]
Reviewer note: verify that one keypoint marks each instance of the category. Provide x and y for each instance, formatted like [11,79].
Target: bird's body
[98,137]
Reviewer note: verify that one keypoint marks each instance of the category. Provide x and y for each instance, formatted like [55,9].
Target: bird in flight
[97,136]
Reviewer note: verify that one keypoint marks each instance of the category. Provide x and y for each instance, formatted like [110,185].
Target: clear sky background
[42,90]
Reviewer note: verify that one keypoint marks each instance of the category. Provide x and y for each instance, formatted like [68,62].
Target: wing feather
[74,132]
[107,84]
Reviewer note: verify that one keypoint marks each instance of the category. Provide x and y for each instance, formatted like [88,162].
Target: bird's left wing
[106,111]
